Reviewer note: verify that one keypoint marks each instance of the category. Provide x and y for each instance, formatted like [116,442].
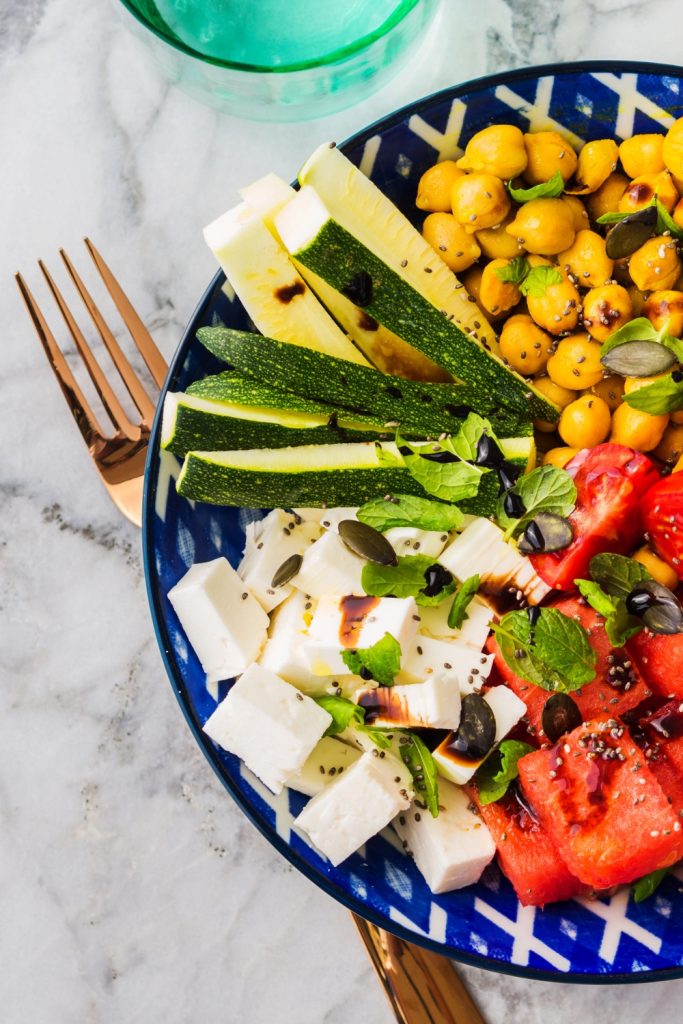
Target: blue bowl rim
[163,639]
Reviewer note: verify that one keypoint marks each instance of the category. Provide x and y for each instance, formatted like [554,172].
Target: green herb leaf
[387,458]
[550,189]
[379,737]
[407,510]
[464,443]
[617,574]
[382,660]
[514,272]
[420,763]
[646,885]
[664,395]
[458,610]
[619,625]
[450,481]
[555,655]
[546,489]
[640,329]
[499,770]
[665,221]
[407,579]
[344,712]
[539,279]
[614,218]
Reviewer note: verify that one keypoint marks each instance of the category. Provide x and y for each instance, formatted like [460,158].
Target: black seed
[546,532]
[287,571]
[631,232]
[359,288]
[477,730]
[639,359]
[367,542]
[560,715]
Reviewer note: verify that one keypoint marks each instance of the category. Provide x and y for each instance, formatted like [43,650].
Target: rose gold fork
[422,987]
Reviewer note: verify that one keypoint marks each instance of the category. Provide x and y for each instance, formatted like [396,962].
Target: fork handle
[422,987]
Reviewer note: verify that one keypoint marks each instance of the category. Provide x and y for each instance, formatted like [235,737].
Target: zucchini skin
[239,389]
[416,405]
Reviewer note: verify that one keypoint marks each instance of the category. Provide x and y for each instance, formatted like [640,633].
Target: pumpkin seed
[659,609]
[477,730]
[630,233]
[560,715]
[546,532]
[287,571]
[639,359]
[367,542]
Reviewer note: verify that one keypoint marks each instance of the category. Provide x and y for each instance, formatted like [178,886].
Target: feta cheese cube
[364,620]
[507,709]
[353,808]
[390,755]
[409,540]
[329,568]
[222,619]
[283,650]
[328,759]
[462,663]
[474,630]
[332,517]
[433,704]
[452,849]
[279,537]
[269,724]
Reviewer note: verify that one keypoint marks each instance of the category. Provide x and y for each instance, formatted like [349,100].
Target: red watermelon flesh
[660,661]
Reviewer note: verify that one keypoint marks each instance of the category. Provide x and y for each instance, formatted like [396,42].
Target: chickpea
[606,309]
[585,422]
[498,149]
[587,259]
[456,247]
[479,201]
[559,457]
[606,198]
[672,148]
[677,416]
[610,389]
[658,569]
[597,160]
[497,296]
[472,281]
[557,395]
[557,309]
[524,345]
[638,299]
[636,429]
[622,274]
[665,306]
[656,265]
[678,213]
[548,152]
[679,466]
[642,154]
[670,448]
[497,244]
[434,187]
[642,190]
[578,212]
[543,226]
[575,363]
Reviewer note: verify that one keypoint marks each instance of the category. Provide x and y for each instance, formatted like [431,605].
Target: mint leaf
[450,481]
[406,510]
[387,458]
[646,885]
[458,610]
[417,757]
[546,489]
[406,579]
[343,711]
[464,443]
[555,654]
[382,660]
[640,329]
[499,770]
[550,189]
[619,625]
[514,272]
[664,395]
[538,280]
[617,574]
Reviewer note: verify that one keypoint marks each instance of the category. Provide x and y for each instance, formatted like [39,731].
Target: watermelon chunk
[525,853]
[662,743]
[618,685]
[601,806]
[660,661]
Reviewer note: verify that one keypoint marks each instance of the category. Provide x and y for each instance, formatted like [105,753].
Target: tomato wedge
[663,518]
[610,482]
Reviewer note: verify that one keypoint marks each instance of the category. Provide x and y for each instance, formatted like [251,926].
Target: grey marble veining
[132,888]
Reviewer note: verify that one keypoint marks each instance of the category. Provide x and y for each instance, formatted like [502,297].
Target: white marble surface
[132,889]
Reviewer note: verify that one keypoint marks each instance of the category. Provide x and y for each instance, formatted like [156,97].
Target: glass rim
[403,9]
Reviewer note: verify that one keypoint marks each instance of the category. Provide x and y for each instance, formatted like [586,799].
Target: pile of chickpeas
[554,339]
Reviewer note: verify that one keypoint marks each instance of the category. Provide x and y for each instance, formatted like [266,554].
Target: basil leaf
[406,510]
[499,770]
[539,279]
[646,885]
[406,579]
[450,481]
[555,655]
[546,489]
[514,272]
[382,660]
[417,757]
[619,625]
[343,711]
[664,395]
[617,574]
[550,189]
[458,610]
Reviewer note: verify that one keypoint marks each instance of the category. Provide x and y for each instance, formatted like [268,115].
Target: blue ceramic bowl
[612,939]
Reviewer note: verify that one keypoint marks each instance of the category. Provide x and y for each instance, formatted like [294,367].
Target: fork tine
[126,371]
[138,332]
[80,409]
[104,389]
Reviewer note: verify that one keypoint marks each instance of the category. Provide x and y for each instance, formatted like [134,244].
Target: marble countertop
[132,888]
